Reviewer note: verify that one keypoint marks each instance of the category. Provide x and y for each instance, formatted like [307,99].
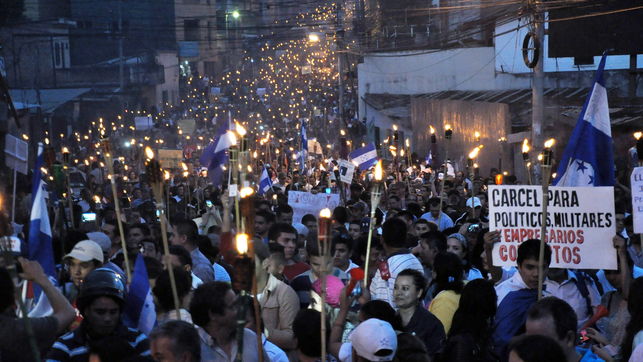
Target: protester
[398,258]
[374,340]
[307,330]
[279,302]
[458,245]
[553,317]
[15,344]
[214,308]
[342,249]
[175,341]
[85,257]
[164,298]
[408,293]
[634,330]
[471,329]
[185,233]
[286,236]
[100,301]
[436,216]
[535,348]
[446,288]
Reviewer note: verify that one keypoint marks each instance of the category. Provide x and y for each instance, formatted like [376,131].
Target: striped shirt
[383,289]
[74,346]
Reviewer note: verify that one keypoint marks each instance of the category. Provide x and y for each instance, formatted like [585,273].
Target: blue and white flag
[139,303]
[303,154]
[265,183]
[588,159]
[39,245]
[364,157]
[215,155]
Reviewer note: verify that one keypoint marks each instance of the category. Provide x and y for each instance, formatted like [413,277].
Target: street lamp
[235,15]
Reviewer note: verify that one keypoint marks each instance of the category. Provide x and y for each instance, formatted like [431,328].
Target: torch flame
[394,127]
[447,127]
[325,213]
[246,191]
[184,166]
[166,174]
[149,152]
[378,171]
[241,241]
[550,143]
[240,129]
[474,153]
[65,150]
[638,135]
[431,129]
[407,143]
[525,146]
[477,135]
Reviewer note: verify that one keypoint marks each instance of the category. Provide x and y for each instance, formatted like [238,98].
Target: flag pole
[376,194]
[107,148]
[448,134]
[155,178]
[545,164]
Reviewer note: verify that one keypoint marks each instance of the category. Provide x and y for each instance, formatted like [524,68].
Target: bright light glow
[638,135]
[246,191]
[313,38]
[236,14]
[65,150]
[394,127]
[325,213]
[525,146]
[378,171]
[550,143]
[477,135]
[241,242]
[184,166]
[431,129]
[447,127]
[474,153]
[240,129]
[149,152]
[407,143]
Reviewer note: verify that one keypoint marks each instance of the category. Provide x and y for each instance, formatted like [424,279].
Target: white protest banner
[346,171]
[304,203]
[580,224]
[143,123]
[637,199]
[170,158]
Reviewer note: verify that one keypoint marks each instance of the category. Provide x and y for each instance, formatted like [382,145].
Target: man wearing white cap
[86,256]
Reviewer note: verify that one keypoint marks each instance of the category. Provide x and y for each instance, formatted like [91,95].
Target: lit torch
[376,195]
[546,158]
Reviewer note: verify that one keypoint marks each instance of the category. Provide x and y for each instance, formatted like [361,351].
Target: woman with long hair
[447,286]
[634,329]
[459,245]
[469,339]
[408,292]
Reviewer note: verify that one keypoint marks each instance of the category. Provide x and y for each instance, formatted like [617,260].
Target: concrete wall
[170,63]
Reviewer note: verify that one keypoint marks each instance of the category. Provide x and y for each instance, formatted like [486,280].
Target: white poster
[580,224]
[304,203]
[346,171]
[637,199]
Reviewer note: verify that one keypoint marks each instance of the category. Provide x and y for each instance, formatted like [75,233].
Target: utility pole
[339,35]
[121,66]
[537,84]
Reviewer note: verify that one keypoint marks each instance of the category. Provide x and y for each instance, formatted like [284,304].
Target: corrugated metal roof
[50,99]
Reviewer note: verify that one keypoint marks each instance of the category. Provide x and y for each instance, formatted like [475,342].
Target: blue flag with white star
[588,159]
[139,304]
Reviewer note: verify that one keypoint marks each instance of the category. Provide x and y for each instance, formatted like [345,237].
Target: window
[60,47]
[191,30]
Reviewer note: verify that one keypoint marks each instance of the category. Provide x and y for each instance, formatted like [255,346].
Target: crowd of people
[426,290]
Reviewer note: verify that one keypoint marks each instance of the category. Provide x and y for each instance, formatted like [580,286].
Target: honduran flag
[39,242]
[364,157]
[215,155]
[265,183]
[588,159]
[139,303]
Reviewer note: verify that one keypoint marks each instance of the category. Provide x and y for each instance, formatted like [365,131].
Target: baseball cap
[101,239]
[375,340]
[476,202]
[86,250]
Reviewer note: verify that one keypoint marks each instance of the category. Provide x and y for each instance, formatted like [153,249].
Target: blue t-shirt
[220,274]
[588,355]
